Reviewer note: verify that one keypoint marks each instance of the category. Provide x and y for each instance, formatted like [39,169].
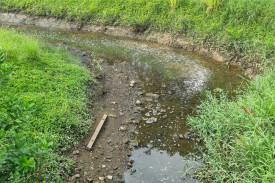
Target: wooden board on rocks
[101,123]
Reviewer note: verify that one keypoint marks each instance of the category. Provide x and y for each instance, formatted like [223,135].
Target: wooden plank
[90,145]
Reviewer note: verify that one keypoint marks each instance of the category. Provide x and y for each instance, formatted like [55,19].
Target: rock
[122,128]
[101,178]
[76,152]
[109,177]
[132,83]
[151,120]
[152,95]
[112,115]
[187,135]
[163,111]
[103,166]
[180,136]
[125,141]
[77,176]
[148,99]
[133,171]
[140,93]
[155,112]
[138,102]
[164,116]
[90,179]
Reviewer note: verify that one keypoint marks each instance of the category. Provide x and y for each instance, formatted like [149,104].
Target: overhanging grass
[43,107]
[239,135]
[244,29]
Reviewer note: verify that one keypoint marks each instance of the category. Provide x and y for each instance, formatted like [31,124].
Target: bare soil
[109,157]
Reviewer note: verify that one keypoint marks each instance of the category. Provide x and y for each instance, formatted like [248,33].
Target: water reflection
[158,166]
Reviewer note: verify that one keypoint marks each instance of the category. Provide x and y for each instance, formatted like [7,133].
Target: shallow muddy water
[173,82]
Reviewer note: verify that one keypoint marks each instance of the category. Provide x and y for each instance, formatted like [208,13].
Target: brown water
[174,81]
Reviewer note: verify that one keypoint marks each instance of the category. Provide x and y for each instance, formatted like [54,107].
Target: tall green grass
[239,135]
[243,29]
[43,108]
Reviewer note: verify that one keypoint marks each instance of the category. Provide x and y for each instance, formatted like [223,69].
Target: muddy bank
[161,38]
[115,95]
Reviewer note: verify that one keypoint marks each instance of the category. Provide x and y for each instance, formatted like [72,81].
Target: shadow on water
[173,84]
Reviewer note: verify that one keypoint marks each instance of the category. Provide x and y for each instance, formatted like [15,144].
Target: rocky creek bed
[148,90]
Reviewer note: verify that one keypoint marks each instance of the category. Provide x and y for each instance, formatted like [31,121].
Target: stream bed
[173,83]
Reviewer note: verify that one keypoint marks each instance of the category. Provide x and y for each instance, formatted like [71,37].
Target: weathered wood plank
[101,123]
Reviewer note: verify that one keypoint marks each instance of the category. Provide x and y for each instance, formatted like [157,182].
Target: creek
[173,83]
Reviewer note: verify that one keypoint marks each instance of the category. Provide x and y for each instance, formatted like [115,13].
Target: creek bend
[172,83]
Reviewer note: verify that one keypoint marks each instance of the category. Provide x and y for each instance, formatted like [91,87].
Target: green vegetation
[239,135]
[43,97]
[243,29]
[43,108]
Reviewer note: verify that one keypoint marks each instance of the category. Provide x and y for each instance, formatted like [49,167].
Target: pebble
[151,120]
[76,152]
[103,166]
[101,178]
[138,102]
[132,83]
[122,128]
[77,175]
[112,115]
[109,177]
[164,117]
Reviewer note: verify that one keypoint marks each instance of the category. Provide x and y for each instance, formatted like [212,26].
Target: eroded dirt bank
[109,157]
[161,38]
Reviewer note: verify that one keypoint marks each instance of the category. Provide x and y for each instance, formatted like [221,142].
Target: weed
[42,108]
[239,135]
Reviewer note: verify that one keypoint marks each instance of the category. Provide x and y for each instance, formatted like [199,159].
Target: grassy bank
[242,29]
[43,108]
[239,135]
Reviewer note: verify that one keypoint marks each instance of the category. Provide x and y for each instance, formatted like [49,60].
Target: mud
[157,37]
[109,157]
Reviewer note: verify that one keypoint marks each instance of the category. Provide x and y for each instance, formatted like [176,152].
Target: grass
[239,135]
[43,108]
[242,29]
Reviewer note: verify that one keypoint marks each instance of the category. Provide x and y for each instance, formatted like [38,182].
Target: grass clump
[239,135]
[242,29]
[43,108]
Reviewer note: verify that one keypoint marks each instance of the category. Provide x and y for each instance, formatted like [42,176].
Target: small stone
[138,102]
[140,93]
[122,128]
[151,120]
[164,116]
[103,166]
[90,179]
[187,135]
[133,171]
[125,141]
[180,136]
[101,178]
[152,95]
[77,175]
[163,111]
[132,83]
[112,115]
[109,177]
[76,152]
